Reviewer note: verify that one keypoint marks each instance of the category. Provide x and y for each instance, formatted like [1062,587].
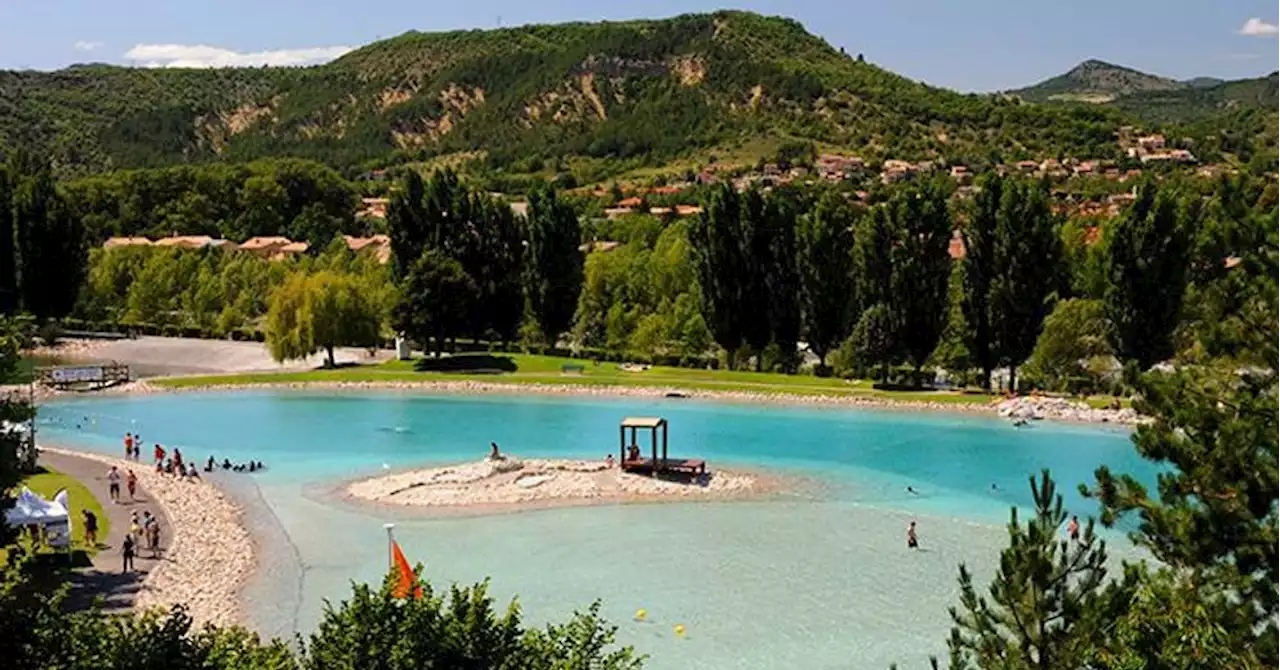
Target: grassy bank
[47,483]
[531,369]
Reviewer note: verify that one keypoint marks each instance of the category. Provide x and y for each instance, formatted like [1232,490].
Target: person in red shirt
[128,445]
[159,453]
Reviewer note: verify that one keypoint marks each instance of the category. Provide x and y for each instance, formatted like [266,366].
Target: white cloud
[200,55]
[1259,28]
[86,45]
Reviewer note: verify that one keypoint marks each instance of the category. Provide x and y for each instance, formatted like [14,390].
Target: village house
[615,212]
[688,210]
[520,208]
[961,174]
[289,250]
[1151,142]
[373,208]
[1085,168]
[956,248]
[192,242]
[378,245]
[116,242]
[1027,167]
[633,201]
[266,246]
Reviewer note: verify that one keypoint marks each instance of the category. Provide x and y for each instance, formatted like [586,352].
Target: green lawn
[47,483]
[532,369]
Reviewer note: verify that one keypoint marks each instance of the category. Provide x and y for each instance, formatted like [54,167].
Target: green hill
[1095,81]
[1193,102]
[637,91]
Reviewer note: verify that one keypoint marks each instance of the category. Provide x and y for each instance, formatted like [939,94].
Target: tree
[872,340]
[1147,269]
[320,311]
[457,629]
[782,279]
[50,247]
[1026,272]
[873,262]
[1047,604]
[406,225]
[290,321]
[263,204]
[921,269]
[342,313]
[435,299]
[722,269]
[980,270]
[825,251]
[1213,516]
[8,247]
[1074,335]
[554,269]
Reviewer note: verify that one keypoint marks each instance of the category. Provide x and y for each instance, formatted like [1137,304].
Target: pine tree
[1046,606]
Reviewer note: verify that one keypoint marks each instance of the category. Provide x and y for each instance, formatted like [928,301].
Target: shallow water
[816,580]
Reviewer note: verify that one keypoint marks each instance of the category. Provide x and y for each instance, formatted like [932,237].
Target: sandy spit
[210,551]
[514,483]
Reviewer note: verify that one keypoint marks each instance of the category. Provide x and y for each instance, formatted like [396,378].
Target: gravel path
[104,578]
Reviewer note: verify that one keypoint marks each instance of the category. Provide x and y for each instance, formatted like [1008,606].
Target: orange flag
[406,582]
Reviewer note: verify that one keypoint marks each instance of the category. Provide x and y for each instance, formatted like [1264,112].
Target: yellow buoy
[641,615]
[679,630]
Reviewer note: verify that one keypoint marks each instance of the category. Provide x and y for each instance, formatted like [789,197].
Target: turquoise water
[818,579]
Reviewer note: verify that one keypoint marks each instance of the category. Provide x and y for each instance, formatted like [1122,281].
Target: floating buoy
[641,614]
[679,629]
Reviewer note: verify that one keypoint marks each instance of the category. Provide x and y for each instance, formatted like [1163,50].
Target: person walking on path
[90,528]
[113,484]
[131,482]
[126,551]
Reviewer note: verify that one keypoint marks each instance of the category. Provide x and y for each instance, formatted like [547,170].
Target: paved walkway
[104,577]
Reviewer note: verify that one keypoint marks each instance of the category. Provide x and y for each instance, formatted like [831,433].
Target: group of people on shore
[144,530]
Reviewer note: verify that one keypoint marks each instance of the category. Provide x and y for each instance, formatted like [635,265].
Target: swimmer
[994,488]
[912,491]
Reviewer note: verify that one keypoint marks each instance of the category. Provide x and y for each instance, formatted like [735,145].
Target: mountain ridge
[636,92]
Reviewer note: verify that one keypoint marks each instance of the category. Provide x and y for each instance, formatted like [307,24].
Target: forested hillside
[638,89]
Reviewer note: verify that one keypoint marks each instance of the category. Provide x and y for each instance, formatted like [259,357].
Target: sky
[968,45]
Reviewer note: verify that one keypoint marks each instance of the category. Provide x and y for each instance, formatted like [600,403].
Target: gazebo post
[664,442]
[622,445]
[653,440]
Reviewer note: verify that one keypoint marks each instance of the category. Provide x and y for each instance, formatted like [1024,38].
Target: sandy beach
[210,552]
[513,483]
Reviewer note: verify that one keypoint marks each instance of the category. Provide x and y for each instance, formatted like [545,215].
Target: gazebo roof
[643,422]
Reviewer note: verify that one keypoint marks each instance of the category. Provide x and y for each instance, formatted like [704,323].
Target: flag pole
[391,561]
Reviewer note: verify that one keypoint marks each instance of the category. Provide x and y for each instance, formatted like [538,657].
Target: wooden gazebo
[658,463]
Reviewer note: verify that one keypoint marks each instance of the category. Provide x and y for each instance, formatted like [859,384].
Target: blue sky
[973,45]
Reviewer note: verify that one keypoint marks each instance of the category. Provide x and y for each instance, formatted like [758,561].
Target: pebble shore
[210,553]
[1021,407]
[539,482]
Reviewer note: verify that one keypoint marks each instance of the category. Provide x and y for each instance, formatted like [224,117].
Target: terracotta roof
[688,210]
[185,241]
[260,243]
[630,202]
[956,247]
[126,242]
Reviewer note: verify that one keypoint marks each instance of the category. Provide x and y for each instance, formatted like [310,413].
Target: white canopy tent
[52,516]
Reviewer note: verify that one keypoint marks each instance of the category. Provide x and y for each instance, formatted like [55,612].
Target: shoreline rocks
[1036,408]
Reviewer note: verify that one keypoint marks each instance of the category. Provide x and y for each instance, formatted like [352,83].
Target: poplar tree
[979,271]
[722,270]
[553,276]
[1147,276]
[1026,272]
[824,245]
[921,268]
